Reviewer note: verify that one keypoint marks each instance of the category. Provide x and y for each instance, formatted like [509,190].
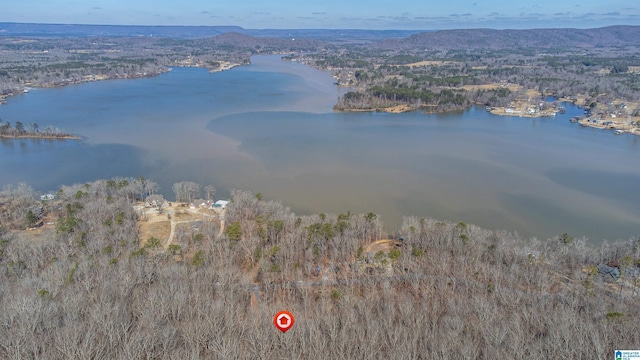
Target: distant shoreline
[44,137]
[224,66]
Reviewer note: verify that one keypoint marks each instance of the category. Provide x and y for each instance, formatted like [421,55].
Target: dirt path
[173,230]
[171,218]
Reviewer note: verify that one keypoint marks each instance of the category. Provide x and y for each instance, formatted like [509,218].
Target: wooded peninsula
[106,270]
[33,131]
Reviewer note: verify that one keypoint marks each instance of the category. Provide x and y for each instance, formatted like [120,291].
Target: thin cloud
[516,18]
[431,18]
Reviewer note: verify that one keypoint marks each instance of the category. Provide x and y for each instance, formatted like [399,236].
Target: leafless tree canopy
[186,191]
[445,291]
[210,192]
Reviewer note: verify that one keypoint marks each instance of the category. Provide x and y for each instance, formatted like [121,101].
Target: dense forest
[88,286]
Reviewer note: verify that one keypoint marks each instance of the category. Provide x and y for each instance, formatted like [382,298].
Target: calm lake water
[269,128]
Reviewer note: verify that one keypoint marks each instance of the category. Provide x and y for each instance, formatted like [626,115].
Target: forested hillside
[483,39]
[86,287]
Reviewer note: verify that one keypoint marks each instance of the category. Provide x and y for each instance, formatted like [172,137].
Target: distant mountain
[382,39]
[237,40]
[504,39]
[194,32]
[332,35]
[75,30]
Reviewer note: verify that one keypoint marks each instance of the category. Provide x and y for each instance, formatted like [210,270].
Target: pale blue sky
[345,14]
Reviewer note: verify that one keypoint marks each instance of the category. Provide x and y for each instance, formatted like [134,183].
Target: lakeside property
[619,119]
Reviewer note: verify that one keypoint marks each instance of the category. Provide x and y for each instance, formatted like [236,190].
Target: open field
[426,63]
[173,218]
[160,229]
[510,86]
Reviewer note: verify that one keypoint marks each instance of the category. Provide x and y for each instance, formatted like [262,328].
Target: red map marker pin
[283,321]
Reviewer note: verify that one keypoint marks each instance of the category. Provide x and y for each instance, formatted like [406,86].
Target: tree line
[32,130]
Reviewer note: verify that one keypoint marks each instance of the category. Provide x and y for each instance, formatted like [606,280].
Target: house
[207,204]
[47,197]
[202,203]
[154,200]
[221,204]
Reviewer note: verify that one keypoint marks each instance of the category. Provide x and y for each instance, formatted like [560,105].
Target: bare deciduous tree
[210,192]
[186,191]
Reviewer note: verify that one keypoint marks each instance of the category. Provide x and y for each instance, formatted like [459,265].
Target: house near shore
[208,204]
[221,204]
[154,200]
[201,203]
[47,197]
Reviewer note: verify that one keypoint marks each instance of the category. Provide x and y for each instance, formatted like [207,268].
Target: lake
[269,127]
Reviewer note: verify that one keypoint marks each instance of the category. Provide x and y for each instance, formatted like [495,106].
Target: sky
[330,14]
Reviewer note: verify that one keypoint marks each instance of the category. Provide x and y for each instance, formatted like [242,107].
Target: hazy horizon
[346,14]
[309,28]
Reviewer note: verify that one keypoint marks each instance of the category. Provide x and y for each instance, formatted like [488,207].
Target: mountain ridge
[618,35]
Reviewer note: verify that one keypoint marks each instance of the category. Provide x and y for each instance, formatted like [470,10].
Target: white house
[47,197]
[221,203]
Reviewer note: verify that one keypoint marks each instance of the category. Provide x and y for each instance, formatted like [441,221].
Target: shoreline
[502,111]
[43,137]
[95,78]
[400,109]
[514,110]
[611,124]
[67,82]
[617,129]
[224,66]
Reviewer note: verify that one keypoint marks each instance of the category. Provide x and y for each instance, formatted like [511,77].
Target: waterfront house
[221,204]
[47,197]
